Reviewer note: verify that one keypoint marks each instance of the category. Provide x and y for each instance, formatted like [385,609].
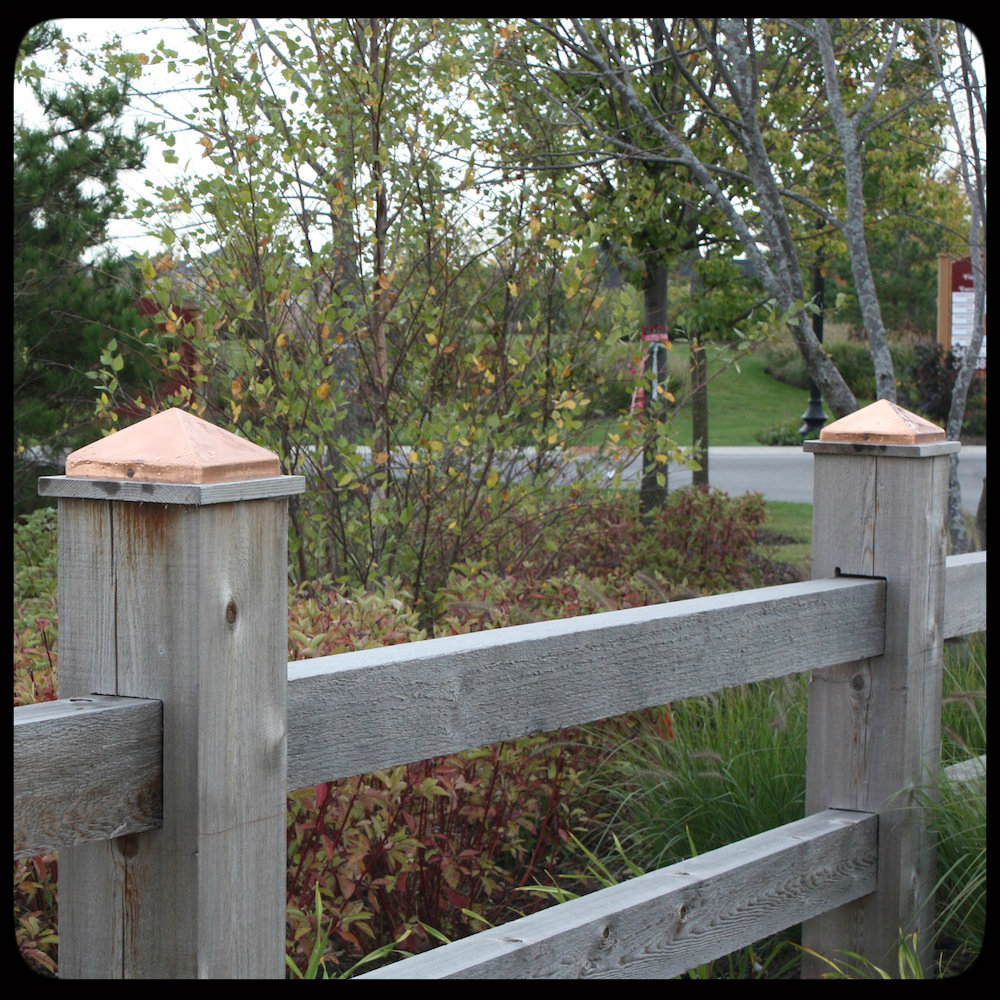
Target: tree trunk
[652,495]
[699,412]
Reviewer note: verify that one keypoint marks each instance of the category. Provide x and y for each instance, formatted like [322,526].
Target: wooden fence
[161,773]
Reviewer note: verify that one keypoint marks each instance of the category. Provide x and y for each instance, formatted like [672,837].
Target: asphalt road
[787,473]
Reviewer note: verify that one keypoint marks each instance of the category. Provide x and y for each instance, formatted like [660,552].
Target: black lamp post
[814,417]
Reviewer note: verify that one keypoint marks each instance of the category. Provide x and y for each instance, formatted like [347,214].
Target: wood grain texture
[964,595]
[665,922]
[193,494]
[86,769]
[973,769]
[874,725]
[357,712]
[199,598]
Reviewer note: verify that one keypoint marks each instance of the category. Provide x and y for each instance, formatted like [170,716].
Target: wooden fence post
[173,586]
[879,505]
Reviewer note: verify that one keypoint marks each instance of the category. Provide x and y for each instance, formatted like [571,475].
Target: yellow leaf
[661,458]
[431,339]
[281,340]
[381,457]
[237,387]
[512,288]
[492,479]
[534,225]
[553,243]
[323,391]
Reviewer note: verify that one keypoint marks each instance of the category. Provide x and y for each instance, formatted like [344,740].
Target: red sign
[656,334]
[961,275]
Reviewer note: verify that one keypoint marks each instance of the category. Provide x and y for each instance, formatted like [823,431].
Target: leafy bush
[928,385]
[702,539]
[443,844]
[785,434]
[435,846]
[35,680]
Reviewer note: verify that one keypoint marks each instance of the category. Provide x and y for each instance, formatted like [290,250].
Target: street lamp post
[814,417]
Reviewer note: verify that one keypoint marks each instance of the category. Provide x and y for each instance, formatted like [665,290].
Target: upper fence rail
[358,712]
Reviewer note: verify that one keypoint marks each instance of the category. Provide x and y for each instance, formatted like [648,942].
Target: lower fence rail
[668,921]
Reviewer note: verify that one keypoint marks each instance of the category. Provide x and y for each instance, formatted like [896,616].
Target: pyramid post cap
[883,422]
[173,446]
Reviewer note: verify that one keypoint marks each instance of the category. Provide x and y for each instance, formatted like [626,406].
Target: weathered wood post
[879,506]
[173,586]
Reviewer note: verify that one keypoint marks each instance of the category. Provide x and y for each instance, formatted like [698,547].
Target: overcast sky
[139,35]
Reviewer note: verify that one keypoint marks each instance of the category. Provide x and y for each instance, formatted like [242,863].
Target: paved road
[787,473]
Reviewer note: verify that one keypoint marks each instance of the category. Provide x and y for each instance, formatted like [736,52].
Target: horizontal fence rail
[358,712]
[667,921]
[964,595]
[86,769]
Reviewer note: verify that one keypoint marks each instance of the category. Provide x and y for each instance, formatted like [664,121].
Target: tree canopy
[401,233]
[71,299]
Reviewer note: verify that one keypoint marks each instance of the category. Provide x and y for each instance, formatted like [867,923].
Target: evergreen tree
[67,312]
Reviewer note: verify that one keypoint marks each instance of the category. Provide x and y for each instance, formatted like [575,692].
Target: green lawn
[792,524]
[743,400]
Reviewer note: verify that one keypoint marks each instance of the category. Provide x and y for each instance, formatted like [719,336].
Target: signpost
[653,488]
[956,301]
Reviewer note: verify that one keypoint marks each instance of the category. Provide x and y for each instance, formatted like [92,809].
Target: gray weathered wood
[973,769]
[195,494]
[874,725]
[357,712]
[85,769]
[187,605]
[964,595]
[665,922]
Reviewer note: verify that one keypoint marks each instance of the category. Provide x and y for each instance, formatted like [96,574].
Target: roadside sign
[956,303]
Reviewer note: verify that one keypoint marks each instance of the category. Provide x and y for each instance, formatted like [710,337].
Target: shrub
[785,434]
[928,383]
[35,680]
[439,845]
[702,539]
[435,846]
[854,362]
